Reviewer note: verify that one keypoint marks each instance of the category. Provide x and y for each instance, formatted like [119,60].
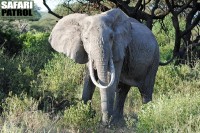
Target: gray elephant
[119,51]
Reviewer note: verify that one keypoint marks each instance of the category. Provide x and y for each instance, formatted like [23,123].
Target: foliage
[35,42]
[40,91]
[183,20]
[9,38]
[178,113]
[45,24]
[80,117]
[14,73]
[165,35]
[62,9]
[164,31]
[175,79]
[20,114]
[18,71]
[59,80]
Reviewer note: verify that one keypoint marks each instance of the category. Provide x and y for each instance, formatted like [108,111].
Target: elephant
[119,52]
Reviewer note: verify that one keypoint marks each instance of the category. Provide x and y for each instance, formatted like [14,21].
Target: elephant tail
[169,61]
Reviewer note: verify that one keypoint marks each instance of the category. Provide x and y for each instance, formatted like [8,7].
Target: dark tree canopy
[150,11]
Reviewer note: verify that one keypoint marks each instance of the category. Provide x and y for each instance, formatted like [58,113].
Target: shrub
[80,117]
[12,75]
[174,79]
[21,114]
[43,25]
[36,49]
[59,82]
[36,42]
[18,72]
[9,38]
[178,113]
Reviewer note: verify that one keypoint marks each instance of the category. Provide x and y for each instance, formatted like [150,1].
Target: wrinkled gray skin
[105,38]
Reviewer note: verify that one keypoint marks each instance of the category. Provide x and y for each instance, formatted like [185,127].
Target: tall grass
[21,114]
[40,92]
[177,113]
[175,106]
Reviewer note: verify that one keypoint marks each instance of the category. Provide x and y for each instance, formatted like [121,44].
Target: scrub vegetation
[40,89]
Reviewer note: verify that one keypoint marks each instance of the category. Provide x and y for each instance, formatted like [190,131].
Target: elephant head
[100,40]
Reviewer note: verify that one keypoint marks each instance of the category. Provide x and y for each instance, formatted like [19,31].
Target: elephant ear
[121,27]
[66,38]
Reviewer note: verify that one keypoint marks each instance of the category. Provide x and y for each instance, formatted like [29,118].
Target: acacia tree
[149,11]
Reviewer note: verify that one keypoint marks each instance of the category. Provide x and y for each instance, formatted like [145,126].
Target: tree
[149,11]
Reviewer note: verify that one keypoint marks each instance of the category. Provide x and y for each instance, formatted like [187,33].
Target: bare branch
[68,7]
[194,45]
[194,23]
[148,2]
[197,39]
[183,7]
[50,11]
[80,2]
[155,7]
[103,8]
[137,6]
[127,2]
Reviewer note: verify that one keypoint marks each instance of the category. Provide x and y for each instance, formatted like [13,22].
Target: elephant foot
[105,120]
[146,98]
[118,121]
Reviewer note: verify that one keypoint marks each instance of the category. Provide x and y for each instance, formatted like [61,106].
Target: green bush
[17,72]
[36,42]
[165,36]
[9,38]
[21,114]
[52,82]
[39,73]
[176,88]
[180,78]
[60,80]
[178,113]
[80,117]
[164,31]
[36,49]
[14,74]
[44,25]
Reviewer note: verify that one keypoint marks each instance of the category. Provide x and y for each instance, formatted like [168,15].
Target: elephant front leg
[121,94]
[89,87]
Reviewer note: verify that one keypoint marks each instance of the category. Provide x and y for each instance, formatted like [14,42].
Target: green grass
[176,102]
[175,113]
[40,91]
[21,114]
[175,106]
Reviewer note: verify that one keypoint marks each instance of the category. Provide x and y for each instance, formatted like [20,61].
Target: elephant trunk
[102,72]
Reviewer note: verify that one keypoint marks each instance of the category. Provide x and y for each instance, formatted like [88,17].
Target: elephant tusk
[112,71]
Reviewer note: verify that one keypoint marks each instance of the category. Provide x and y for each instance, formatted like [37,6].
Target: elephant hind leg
[121,93]
[146,90]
